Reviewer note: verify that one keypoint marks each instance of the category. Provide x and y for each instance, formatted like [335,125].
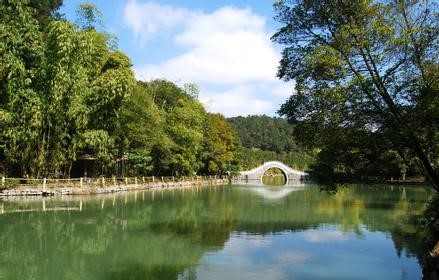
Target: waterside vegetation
[365,105]
[367,85]
[69,101]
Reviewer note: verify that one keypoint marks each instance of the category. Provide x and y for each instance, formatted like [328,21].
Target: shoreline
[57,191]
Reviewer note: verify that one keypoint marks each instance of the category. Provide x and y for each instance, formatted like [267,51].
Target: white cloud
[239,100]
[315,236]
[147,19]
[240,273]
[228,48]
[292,257]
[226,20]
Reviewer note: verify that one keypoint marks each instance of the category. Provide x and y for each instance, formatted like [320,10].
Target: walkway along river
[81,186]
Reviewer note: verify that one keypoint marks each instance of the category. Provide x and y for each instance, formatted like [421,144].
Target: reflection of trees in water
[416,229]
[164,233]
[430,232]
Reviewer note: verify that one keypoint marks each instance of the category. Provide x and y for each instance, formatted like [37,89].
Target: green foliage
[68,99]
[46,10]
[21,55]
[249,158]
[62,90]
[193,90]
[140,162]
[185,119]
[265,133]
[362,66]
[170,129]
[220,145]
[360,155]
[88,16]
[265,139]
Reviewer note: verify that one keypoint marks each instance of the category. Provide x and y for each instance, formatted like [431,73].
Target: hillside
[266,138]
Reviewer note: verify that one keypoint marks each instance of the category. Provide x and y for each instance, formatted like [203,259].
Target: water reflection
[274,193]
[274,179]
[214,233]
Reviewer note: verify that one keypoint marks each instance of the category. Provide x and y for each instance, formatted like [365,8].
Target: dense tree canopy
[220,145]
[363,67]
[265,133]
[61,94]
[266,138]
[165,130]
[68,98]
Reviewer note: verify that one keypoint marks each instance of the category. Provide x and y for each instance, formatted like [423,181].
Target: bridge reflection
[274,193]
[271,192]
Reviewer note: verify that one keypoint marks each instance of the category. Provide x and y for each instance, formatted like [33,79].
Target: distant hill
[266,138]
[265,133]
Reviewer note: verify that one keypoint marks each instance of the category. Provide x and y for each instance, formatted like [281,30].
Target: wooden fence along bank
[81,186]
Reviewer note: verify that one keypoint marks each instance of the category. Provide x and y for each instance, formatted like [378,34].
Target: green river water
[225,232]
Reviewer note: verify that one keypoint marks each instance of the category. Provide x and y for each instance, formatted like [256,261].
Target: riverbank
[91,190]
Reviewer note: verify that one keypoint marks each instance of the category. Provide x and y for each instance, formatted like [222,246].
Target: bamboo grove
[68,97]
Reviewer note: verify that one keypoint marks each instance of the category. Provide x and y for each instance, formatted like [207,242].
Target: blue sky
[223,46]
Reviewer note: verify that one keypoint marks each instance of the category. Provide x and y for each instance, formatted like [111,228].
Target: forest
[366,102]
[265,138]
[69,98]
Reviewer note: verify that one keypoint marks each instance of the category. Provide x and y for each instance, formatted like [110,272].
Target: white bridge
[256,174]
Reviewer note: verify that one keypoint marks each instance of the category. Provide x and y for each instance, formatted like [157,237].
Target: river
[223,232]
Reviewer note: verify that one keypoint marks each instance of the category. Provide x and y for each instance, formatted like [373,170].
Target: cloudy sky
[223,46]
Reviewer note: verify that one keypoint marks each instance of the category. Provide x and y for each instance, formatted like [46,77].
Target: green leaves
[61,91]
[67,95]
[360,66]
[98,144]
[220,145]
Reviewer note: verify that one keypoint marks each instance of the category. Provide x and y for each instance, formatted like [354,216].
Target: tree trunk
[432,174]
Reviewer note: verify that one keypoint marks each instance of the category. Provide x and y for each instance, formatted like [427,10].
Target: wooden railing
[95,182]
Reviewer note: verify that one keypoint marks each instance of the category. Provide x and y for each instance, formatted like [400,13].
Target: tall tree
[140,128]
[21,107]
[220,145]
[179,151]
[46,10]
[85,85]
[363,65]
[61,91]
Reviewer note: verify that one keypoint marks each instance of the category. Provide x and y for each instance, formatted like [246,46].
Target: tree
[61,90]
[46,10]
[84,85]
[140,128]
[263,132]
[364,65]
[184,125]
[88,16]
[21,107]
[179,150]
[66,94]
[193,90]
[220,145]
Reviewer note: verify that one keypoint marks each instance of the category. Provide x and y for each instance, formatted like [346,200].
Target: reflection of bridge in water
[274,193]
[254,176]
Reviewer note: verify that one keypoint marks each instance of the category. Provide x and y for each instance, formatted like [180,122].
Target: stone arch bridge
[256,174]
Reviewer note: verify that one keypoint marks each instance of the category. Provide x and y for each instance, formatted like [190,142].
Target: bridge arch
[257,173]
[272,172]
[274,166]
